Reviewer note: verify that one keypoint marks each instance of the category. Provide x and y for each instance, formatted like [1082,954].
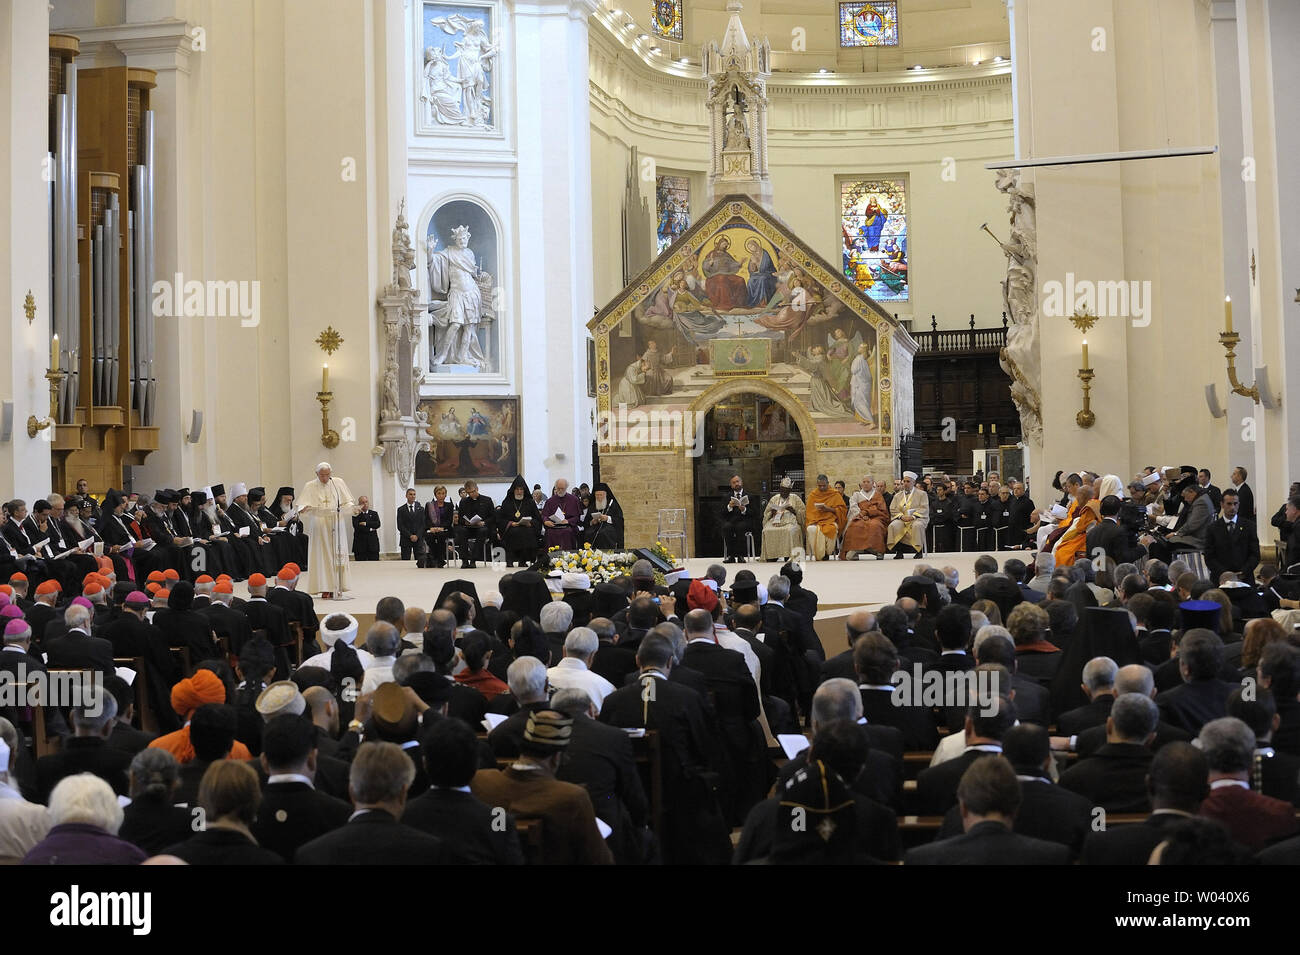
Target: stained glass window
[869,23]
[873,225]
[672,209]
[666,19]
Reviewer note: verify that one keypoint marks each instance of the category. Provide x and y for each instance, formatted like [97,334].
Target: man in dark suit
[123,735]
[1233,543]
[1114,777]
[473,505]
[1202,696]
[737,519]
[1047,811]
[988,799]
[840,666]
[470,831]
[936,786]
[876,661]
[1033,700]
[984,564]
[1245,496]
[411,525]
[1176,785]
[953,630]
[1099,686]
[380,777]
[1109,536]
[1134,678]
[735,700]
[694,830]
[365,531]
[77,649]
[1216,496]
[615,663]
[292,811]
[87,750]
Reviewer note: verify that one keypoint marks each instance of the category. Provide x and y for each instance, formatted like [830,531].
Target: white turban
[910,474]
[348,634]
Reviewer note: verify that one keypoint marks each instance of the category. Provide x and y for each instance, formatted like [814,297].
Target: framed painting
[869,23]
[474,438]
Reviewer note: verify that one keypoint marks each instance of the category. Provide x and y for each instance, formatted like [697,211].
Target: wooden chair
[295,628]
[43,744]
[145,718]
[648,750]
[530,840]
[182,655]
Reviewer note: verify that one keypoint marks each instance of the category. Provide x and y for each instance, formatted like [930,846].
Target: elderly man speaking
[910,509]
[825,518]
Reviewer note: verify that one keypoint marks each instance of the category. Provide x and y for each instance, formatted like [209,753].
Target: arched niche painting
[462,263]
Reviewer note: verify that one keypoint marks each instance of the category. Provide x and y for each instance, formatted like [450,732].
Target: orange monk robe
[1073,544]
[866,528]
[830,521]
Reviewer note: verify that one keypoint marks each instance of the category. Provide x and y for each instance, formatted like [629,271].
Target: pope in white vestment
[326,506]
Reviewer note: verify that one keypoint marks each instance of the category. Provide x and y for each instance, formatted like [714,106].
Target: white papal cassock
[330,506]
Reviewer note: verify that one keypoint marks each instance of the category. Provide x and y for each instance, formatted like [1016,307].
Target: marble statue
[1020,358]
[454,274]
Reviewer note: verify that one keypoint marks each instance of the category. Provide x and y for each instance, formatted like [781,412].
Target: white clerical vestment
[331,506]
[916,505]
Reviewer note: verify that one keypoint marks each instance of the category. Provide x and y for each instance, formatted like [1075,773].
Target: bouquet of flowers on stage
[599,565]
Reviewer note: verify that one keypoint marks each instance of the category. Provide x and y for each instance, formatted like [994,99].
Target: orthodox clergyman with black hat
[519,524]
[602,524]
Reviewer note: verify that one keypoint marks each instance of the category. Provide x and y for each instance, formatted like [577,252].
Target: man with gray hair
[87,750]
[1044,564]
[77,649]
[1099,687]
[1252,818]
[881,778]
[382,642]
[574,670]
[1134,678]
[556,618]
[1115,776]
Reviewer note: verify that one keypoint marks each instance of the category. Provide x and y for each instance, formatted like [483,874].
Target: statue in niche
[737,135]
[454,274]
[469,88]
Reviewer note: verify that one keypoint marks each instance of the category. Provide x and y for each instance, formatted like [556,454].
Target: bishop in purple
[560,516]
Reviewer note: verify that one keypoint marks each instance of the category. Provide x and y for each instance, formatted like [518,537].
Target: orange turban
[203,687]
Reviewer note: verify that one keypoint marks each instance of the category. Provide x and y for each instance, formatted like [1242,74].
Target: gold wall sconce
[1085,418]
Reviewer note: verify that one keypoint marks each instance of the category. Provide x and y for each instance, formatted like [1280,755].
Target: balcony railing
[962,341]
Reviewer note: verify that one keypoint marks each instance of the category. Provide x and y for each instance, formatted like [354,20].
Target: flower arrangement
[661,551]
[599,565]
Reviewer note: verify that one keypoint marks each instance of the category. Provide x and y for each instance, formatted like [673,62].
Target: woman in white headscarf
[782,527]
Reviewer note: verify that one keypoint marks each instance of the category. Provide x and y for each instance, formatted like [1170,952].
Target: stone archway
[707,479]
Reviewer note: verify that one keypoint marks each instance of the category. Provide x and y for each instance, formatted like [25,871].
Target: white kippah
[280,698]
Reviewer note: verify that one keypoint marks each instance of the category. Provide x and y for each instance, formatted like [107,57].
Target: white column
[24,244]
[554,237]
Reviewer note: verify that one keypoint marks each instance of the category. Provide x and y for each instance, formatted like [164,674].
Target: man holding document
[475,522]
[736,522]
[520,524]
[560,516]
[325,505]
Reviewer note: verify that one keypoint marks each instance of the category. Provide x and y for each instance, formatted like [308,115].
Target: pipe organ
[101,267]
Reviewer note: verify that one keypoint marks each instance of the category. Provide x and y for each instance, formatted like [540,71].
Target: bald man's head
[323,707]
[858,623]
[1134,678]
